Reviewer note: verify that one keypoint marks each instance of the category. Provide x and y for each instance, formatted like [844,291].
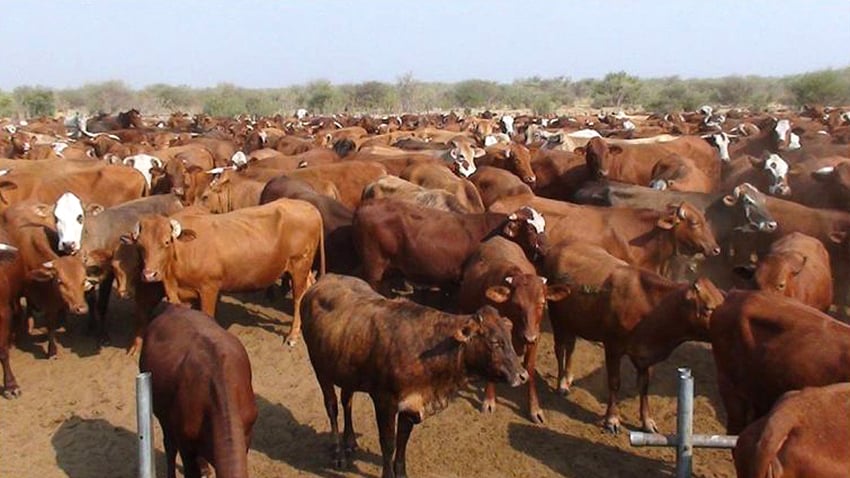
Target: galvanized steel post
[685,424]
[144,420]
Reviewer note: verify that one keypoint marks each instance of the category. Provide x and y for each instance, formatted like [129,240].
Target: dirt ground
[76,417]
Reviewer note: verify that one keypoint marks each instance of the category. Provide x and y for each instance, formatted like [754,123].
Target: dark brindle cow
[409,358]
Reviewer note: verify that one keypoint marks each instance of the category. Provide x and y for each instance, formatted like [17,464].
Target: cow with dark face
[409,358]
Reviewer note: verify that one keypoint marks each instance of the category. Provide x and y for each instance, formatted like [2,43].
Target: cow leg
[103,294]
[530,360]
[147,297]
[191,467]
[648,424]
[10,385]
[489,403]
[405,427]
[53,317]
[386,413]
[332,409]
[613,355]
[736,406]
[300,278]
[565,344]
[209,299]
[170,454]
[349,439]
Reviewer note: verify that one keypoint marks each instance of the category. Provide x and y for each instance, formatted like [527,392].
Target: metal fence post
[145,426]
[685,424]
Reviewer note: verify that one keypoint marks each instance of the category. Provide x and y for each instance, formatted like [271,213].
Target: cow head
[777,170]
[462,155]
[689,229]
[488,351]
[522,298]
[776,272]
[70,214]
[836,178]
[526,227]
[753,204]
[506,122]
[145,164]
[721,141]
[785,137]
[520,161]
[216,196]
[705,297]
[127,266]
[68,275]
[599,157]
[22,143]
[669,173]
[156,237]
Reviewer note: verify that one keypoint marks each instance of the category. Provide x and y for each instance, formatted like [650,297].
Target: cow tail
[321,246]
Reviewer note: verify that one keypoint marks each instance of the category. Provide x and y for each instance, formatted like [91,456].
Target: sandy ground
[76,417]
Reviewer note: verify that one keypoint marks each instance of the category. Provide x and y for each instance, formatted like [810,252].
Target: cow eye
[780,286]
[80,219]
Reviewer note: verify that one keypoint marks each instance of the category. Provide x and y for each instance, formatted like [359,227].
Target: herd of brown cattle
[639,232]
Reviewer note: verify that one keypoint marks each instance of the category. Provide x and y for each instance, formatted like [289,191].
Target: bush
[617,89]
[828,87]
[35,101]
[7,105]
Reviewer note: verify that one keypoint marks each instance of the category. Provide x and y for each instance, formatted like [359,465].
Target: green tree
[827,87]
[7,105]
[409,93]
[617,89]
[475,93]
[35,101]
[170,98]
[374,95]
[320,95]
[224,100]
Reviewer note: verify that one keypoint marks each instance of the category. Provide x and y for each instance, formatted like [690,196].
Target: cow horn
[680,211]
[509,280]
[8,248]
[512,217]
[176,228]
[137,231]
[49,265]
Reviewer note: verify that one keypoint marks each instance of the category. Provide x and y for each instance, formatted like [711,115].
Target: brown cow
[430,246]
[807,433]
[409,358]
[678,173]
[403,190]
[797,266]
[496,183]
[765,345]
[349,178]
[202,393]
[198,256]
[632,311]
[513,157]
[11,285]
[499,274]
[436,176]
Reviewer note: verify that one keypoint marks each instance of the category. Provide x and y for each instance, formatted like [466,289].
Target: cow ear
[194,169]
[579,150]
[498,293]
[467,331]
[746,271]
[42,210]
[187,235]
[615,150]
[557,292]
[157,171]
[729,200]
[666,222]
[42,274]
[4,185]
[478,152]
[803,260]
[94,209]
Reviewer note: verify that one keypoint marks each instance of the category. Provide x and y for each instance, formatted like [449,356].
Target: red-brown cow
[409,358]
[202,393]
[499,274]
[807,433]
[632,311]
[765,345]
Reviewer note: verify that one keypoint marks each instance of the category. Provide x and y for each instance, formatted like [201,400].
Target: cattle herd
[423,250]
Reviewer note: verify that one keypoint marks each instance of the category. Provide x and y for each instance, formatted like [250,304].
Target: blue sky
[270,44]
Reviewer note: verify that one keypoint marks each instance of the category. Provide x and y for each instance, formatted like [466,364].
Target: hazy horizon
[268,45]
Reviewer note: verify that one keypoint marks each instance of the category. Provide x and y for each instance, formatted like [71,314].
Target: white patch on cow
[338,124]
[508,124]
[490,140]
[722,142]
[69,221]
[825,171]
[826,133]
[545,122]
[584,133]
[22,122]
[143,163]
[778,168]
[59,147]
[300,113]
[628,125]
[220,169]
[4,172]
[465,167]
[706,110]
[10,128]
[536,220]
[620,115]
[176,228]
[264,137]
[794,142]
[239,159]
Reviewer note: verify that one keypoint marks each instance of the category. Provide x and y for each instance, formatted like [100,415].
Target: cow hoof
[488,406]
[291,340]
[611,425]
[649,426]
[53,356]
[563,391]
[537,417]
[11,393]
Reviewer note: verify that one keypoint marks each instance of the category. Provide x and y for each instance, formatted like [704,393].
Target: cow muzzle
[150,276]
[601,173]
[80,309]
[530,180]
[520,379]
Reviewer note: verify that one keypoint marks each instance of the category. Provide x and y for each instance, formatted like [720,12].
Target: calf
[395,187]
[409,358]
[437,176]
[202,394]
[765,345]
[797,266]
[807,433]
[499,274]
[200,255]
[632,311]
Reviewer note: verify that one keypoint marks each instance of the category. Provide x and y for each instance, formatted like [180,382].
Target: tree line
[407,94]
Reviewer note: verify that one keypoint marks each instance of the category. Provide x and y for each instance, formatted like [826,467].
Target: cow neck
[672,321]
[490,225]
[228,435]
[448,367]
[31,238]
